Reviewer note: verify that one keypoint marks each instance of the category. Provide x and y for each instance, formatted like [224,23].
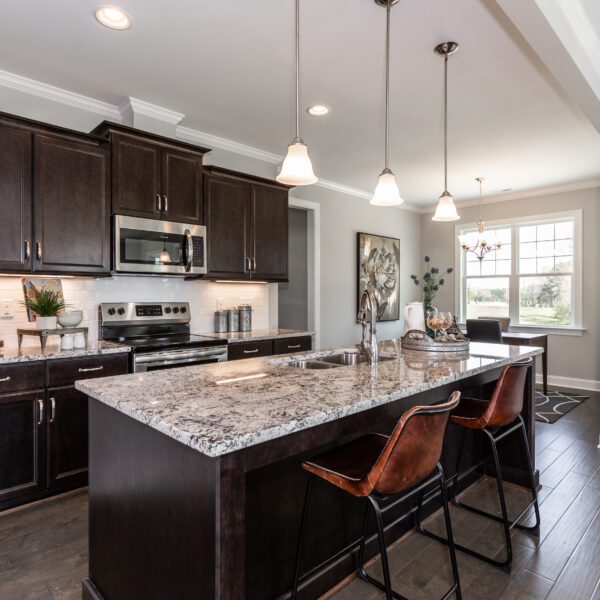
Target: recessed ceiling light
[113,17]
[318,110]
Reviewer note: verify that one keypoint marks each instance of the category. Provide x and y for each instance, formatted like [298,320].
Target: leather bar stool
[378,467]
[497,419]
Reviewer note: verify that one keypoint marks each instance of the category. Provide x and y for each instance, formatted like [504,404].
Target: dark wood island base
[167,521]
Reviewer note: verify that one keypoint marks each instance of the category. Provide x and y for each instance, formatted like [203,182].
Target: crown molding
[214,141]
[134,106]
[522,194]
[56,94]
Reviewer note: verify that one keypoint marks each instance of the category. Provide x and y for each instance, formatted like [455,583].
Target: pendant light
[445,210]
[297,168]
[164,257]
[386,192]
[480,243]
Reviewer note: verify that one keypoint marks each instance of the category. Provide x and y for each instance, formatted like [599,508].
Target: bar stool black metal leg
[454,488]
[535,528]
[384,560]
[362,574]
[301,536]
[456,587]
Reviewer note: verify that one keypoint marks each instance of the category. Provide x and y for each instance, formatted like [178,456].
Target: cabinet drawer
[249,349]
[67,371]
[23,376]
[293,344]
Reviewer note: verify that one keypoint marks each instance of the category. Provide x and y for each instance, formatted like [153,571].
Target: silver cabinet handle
[165,203]
[294,346]
[4,379]
[27,250]
[251,351]
[89,369]
[40,412]
[190,250]
[254,264]
[52,409]
[38,251]
[248,264]
[158,204]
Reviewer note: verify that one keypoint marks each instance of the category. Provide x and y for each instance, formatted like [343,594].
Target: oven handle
[180,355]
[190,251]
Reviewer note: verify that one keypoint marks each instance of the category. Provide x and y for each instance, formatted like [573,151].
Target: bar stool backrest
[414,448]
[507,400]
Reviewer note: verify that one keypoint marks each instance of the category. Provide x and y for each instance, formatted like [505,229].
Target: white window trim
[576,328]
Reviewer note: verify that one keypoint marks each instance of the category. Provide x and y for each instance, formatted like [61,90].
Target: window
[533,278]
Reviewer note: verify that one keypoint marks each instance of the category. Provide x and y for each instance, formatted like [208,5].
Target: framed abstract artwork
[379,271]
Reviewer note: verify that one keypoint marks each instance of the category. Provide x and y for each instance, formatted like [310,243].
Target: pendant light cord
[445,122]
[297,69]
[387,84]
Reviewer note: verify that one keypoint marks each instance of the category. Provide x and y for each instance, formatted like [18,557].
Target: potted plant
[45,306]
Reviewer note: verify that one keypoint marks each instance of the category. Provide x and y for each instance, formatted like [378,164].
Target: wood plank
[581,575]
[527,586]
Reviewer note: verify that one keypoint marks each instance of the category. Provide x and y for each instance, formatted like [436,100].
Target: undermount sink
[342,359]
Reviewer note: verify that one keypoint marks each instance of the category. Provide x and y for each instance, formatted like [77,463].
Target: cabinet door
[227,227]
[67,437]
[242,350]
[269,232]
[15,199]
[71,201]
[182,186]
[22,448]
[136,177]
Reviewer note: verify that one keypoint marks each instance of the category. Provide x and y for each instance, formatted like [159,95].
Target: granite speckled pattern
[223,407]
[256,335]
[52,351]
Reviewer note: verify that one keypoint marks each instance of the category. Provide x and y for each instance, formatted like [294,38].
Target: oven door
[168,359]
[163,247]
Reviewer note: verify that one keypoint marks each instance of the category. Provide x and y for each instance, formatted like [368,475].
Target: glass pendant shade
[386,192]
[164,257]
[297,168]
[445,210]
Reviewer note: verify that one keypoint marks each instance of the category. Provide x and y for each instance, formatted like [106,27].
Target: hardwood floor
[43,547]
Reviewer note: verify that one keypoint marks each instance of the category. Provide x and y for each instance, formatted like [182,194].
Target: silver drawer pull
[251,351]
[295,346]
[91,369]
[52,409]
[5,379]
[41,411]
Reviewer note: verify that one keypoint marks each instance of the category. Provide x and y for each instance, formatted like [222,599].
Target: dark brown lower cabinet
[67,422]
[240,350]
[22,437]
[44,432]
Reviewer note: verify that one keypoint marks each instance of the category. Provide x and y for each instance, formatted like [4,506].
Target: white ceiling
[228,67]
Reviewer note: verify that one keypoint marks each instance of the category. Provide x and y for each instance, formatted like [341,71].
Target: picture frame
[378,269]
[32,287]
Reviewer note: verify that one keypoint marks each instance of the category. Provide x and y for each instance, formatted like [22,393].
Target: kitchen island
[195,481]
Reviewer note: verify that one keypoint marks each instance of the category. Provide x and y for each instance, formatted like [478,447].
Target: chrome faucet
[369,347]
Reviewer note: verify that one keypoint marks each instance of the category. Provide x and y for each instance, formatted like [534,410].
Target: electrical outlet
[220,303]
[6,309]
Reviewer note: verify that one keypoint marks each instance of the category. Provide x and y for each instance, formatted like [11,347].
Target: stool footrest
[483,513]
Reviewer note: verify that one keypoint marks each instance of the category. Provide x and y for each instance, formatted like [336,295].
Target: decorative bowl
[68,320]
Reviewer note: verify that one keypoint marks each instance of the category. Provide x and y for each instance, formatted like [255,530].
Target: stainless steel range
[159,333]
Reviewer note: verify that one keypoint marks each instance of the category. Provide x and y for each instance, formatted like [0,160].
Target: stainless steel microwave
[161,247]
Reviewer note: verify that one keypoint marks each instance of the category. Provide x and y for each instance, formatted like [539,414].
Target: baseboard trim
[591,385]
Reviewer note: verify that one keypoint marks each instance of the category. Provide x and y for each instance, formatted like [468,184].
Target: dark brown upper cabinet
[247,226]
[15,199]
[61,177]
[153,176]
[72,213]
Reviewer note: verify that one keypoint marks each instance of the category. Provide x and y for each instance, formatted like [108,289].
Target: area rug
[552,407]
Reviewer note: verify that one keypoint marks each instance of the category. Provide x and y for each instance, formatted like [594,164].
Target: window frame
[576,327]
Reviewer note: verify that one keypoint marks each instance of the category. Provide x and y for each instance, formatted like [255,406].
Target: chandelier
[479,243]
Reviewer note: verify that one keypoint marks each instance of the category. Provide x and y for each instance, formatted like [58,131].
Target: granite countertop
[255,335]
[223,407]
[52,351]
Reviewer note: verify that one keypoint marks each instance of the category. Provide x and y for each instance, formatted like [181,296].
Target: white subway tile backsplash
[87,294]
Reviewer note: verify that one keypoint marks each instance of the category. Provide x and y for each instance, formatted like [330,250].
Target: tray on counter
[419,340]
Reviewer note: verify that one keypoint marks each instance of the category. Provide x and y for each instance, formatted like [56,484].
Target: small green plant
[46,304]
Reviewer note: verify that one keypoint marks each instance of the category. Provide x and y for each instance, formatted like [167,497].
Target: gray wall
[293,309]
[569,356]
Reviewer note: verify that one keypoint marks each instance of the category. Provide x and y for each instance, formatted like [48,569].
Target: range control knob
[183,309]
[121,311]
[111,311]
[175,309]
[167,309]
